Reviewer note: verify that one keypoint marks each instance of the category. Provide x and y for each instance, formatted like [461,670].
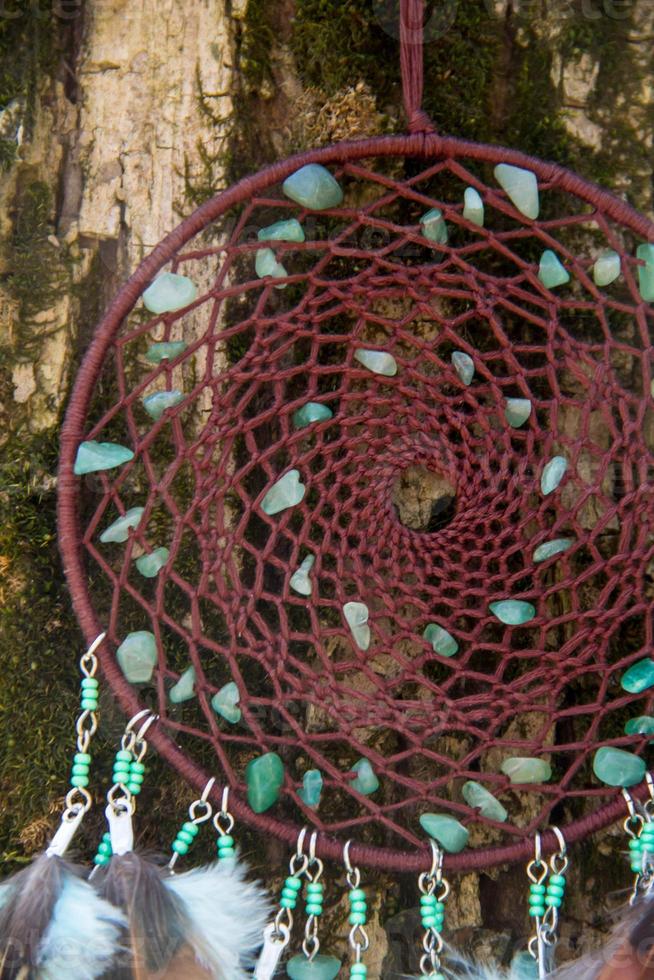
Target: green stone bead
[377,361]
[90,682]
[282,231]
[551,548]
[639,677]
[517,411]
[536,900]
[160,401]
[104,848]
[225,840]
[137,767]
[537,889]
[557,880]
[102,860]
[315,887]
[615,767]
[288,893]
[537,911]
[555,890]
[429,921]
[357,895]
[554,901]
[180,847]
[120,765]
[358,970]
[441,641]
[359,907]
[643,725]
[184,689]
[92,457]
[286,492]
[294,883]
[635,845]
[185,837]
[225,703]
[450,834]
[357,918]
[552,272]
[311,791]
[137,656]
[473,207]
[479,798]
[356,616]
[80,769]
[310,413]
[169,292]
[287,903]
[313,187]
[366,781]
[118,532]
[646,272]
[553,473]
[521,187]
[136,777]
[133,788]
[82,757]
[314,908]
[150,565]
[123,756]
[301,583]
[88,704]
[464,366]
[434,227]
[264,777]
[513,612]
[523,770]
[80,782]
[166,350]
[606,268]
[266,264]
[428,900]
[321,967]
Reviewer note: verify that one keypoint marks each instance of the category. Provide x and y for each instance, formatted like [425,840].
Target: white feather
[228,915]
[82,937]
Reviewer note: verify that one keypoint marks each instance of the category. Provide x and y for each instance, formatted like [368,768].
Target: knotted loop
[411,60]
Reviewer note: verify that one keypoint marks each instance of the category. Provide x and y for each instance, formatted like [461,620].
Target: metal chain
[433,882]
[358,938]
[311,943]
[298,865]
[78,799]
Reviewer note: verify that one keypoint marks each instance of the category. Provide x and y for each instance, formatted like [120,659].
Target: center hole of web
[424,500]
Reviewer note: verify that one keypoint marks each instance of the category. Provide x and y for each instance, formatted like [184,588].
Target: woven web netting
[421,501]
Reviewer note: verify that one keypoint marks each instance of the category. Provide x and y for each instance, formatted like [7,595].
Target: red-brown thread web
[366,278]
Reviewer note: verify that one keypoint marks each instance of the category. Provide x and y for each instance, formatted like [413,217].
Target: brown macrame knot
[419,122]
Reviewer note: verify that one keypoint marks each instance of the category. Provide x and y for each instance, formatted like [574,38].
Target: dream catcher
[428,687]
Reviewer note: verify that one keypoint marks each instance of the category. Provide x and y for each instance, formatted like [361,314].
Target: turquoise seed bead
[288,903]
[191,828]
[537,889]
[180,847]
[79,782]
[123,756]
[314,888]
[358,970]
[136,777]
[138,767]
[225,840]
[555,889]
[133,788]
[104,848]
[537,911]
[429,921]
[557,880]
[80,769]
[88,705]
[288,893]
[90,682]
[358,895]
[102,860]
[554,901]
[357,919]
[121,767]
[314,909]
[359,906]
[82,757]
[536,899]
[293,883]
[185,837]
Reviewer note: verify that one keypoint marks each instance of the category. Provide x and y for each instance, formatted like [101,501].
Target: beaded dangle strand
[224,823]
[358,937]
[537,871]
[128,777]
[277,936]
[434,889]
[554,894]
[189,830]
[639,827]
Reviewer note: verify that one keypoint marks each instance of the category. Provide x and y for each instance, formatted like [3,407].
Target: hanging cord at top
[411,61]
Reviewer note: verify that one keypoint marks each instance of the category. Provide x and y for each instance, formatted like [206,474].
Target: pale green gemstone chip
[300,581]
[264,777]
[464,366]
[366,781]
[184,689]
[282,231]
[525,770]
[284,493]
[615,767]
[356,617]
[448,832]
[606,268]
[552,272]
[311,788]
[157,403]
[434,227]
[310,413]
[314,188]
[479,798]
[92,457]
[321,967]
[473,207]
[646,272]
[169,292]
[441,641]
[553,473]
[119,530]
[521,187]
[551,548]
[377,361]
[150,565]
[639,677]
[517,411]
[137,656]
[225,703]
[513,612]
